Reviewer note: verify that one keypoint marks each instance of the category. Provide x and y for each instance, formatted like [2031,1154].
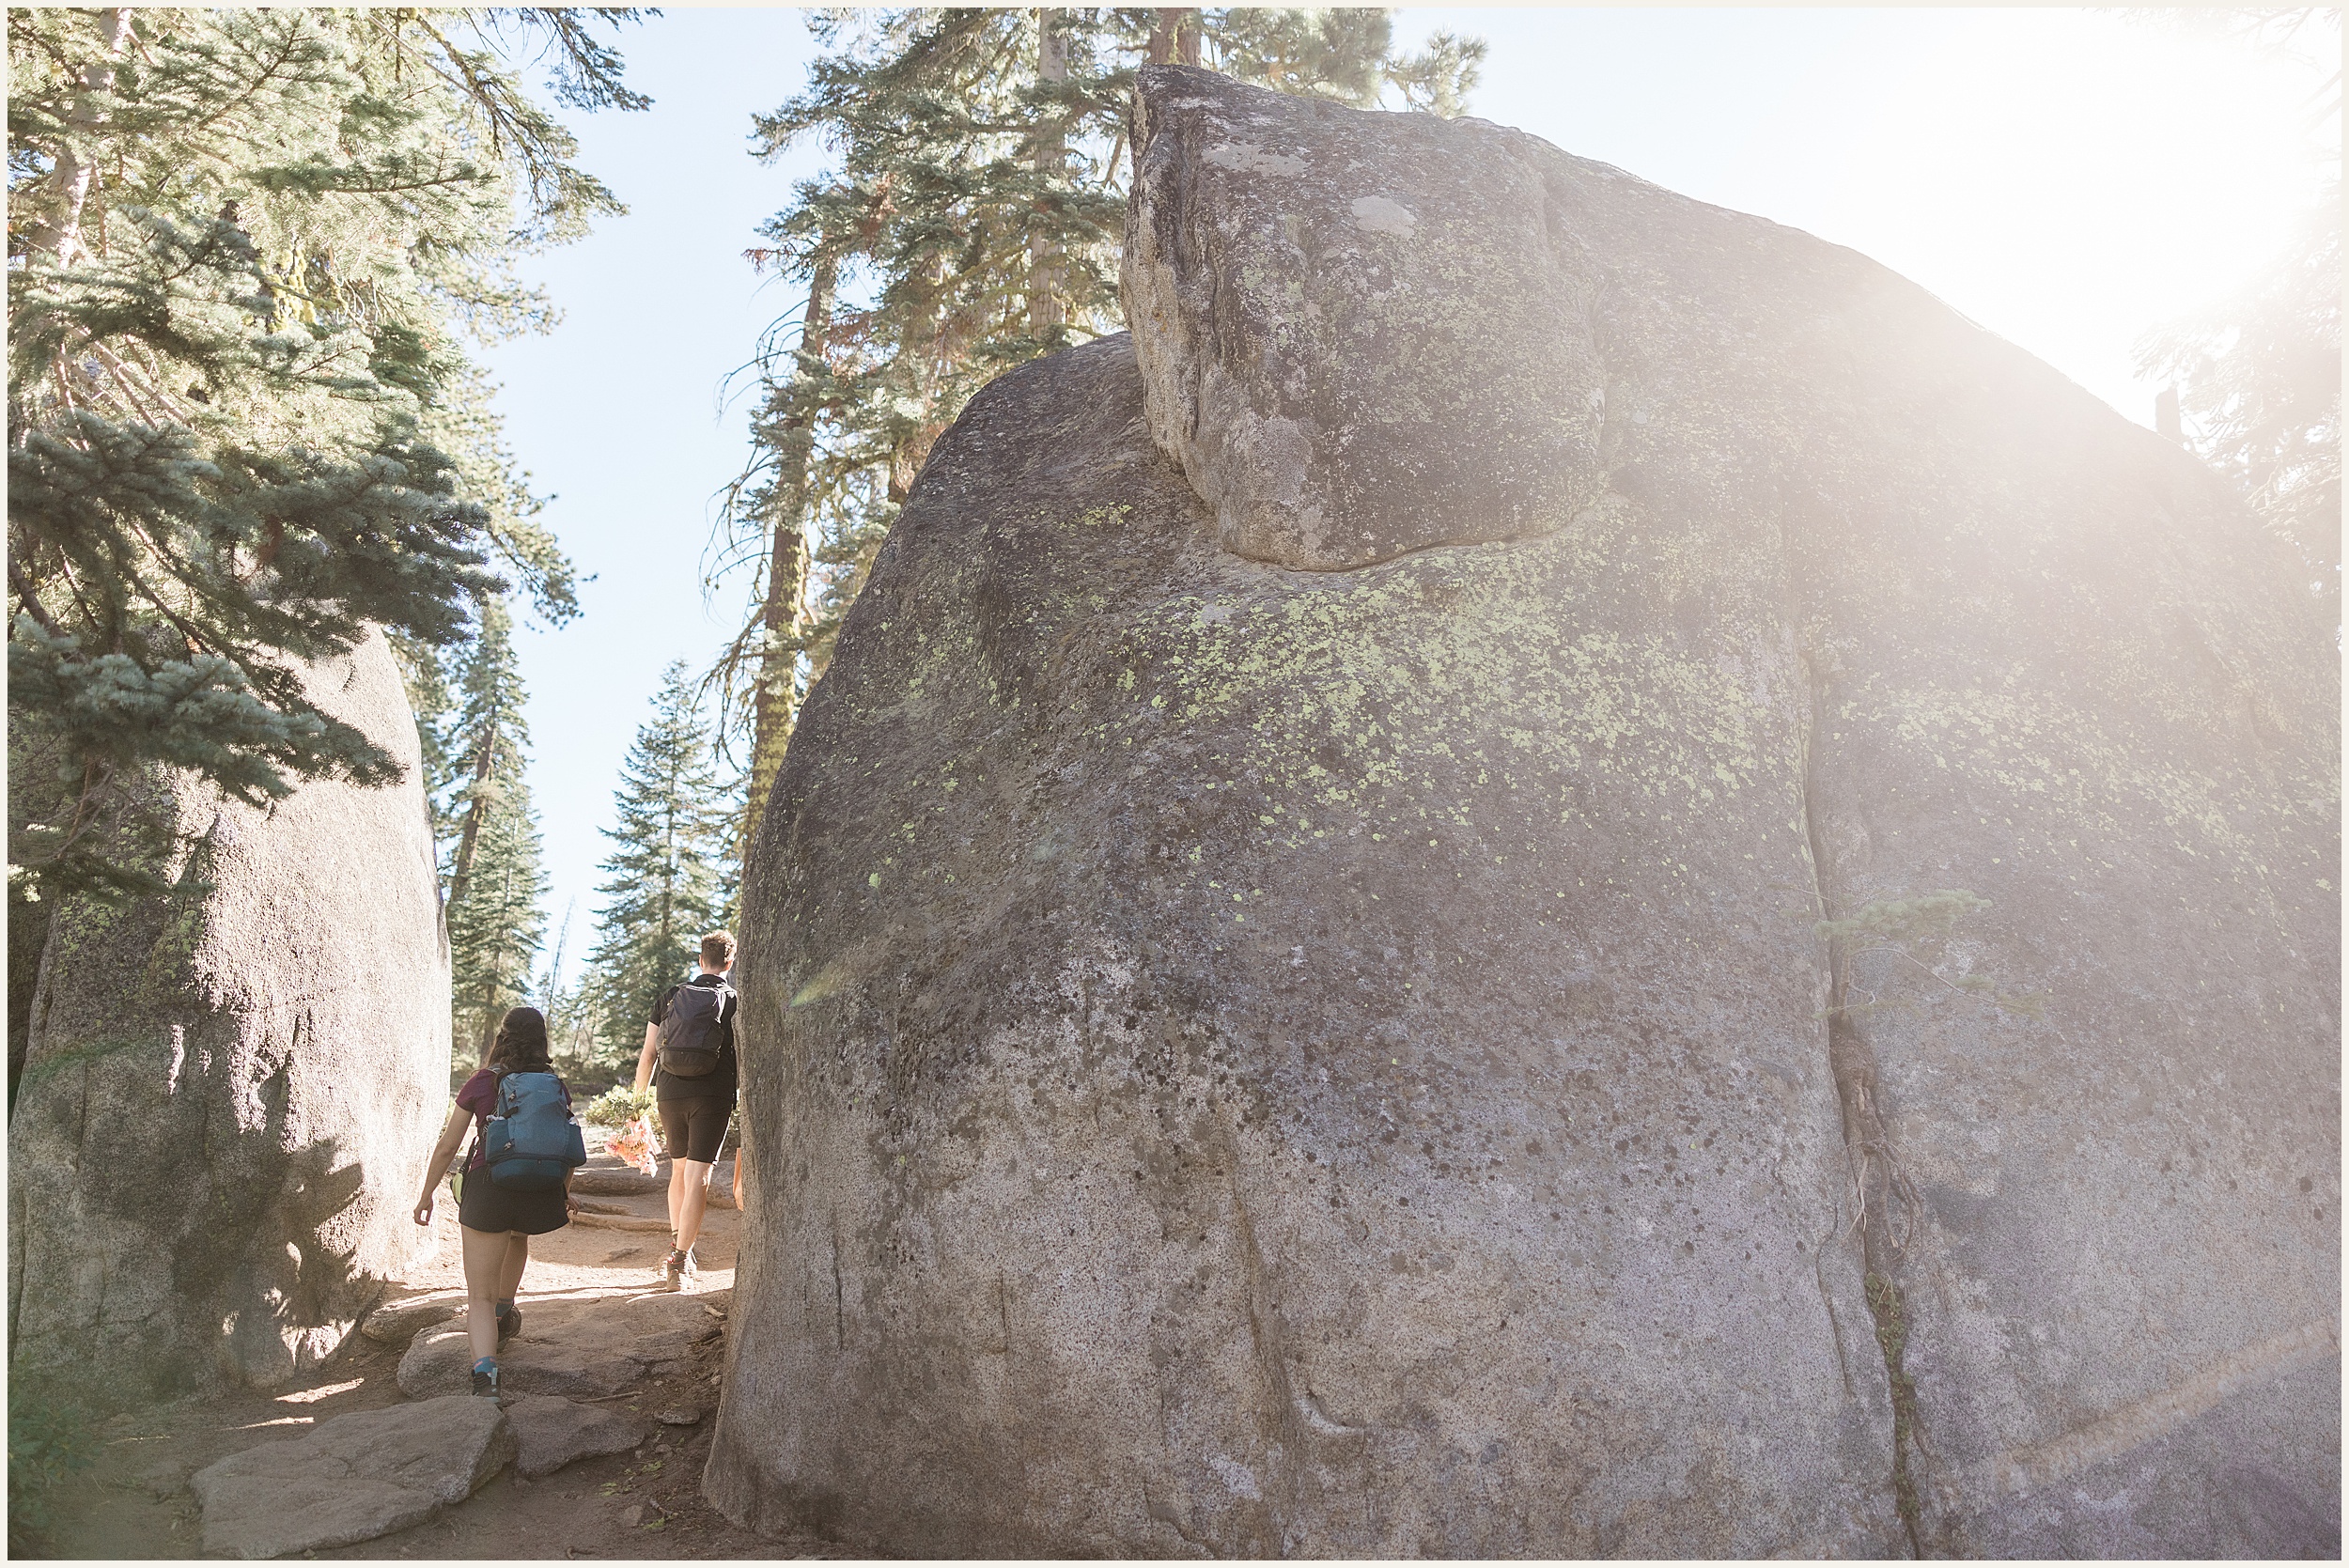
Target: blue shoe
[510,1321]
[485,1377]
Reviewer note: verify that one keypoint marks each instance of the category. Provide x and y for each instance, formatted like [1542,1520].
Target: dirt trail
[134,1501]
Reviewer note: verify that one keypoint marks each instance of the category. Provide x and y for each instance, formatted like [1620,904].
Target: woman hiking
[496,1221]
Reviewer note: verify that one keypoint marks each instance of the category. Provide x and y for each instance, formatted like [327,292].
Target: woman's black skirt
[484,1205]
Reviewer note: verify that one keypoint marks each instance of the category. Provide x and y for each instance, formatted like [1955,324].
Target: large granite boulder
[228,1096]
[1786,1004]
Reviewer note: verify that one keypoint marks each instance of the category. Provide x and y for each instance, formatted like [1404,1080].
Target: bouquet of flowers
[636,1145]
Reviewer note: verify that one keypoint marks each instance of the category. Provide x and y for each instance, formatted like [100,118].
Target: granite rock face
[228,1096]
[1790,1009]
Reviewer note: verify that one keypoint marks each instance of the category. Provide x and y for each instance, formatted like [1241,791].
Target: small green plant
[1926,917]
[1901,926]
[47,1443]
[616,1106]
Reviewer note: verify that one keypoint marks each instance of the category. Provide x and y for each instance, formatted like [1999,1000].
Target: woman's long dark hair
[520,1046]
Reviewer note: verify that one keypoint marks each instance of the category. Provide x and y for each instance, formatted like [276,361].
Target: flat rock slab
[353,1478]
[692,1313]
[576,1352]
[398,1323]
[554,1432]
[440,1362]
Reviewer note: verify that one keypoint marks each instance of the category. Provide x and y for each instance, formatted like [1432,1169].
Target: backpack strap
[724,991]
[472,1144]
[497,1107]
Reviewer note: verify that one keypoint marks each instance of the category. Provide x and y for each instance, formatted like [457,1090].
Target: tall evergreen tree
[666,878]
[477,745]
[496,930]
[973,223]
[247,249]
[489,835]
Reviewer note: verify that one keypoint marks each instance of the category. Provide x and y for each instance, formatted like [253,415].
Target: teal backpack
[533,1140]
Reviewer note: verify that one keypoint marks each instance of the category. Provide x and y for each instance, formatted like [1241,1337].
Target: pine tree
[975,216]
[479,744]
[489,835]
[496,930]
[247,249]
[430,673]
[665,880]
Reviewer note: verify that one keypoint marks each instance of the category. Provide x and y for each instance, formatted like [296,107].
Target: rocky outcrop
[1784,1004]
[1361,334]
[354,1478]
[228,1093]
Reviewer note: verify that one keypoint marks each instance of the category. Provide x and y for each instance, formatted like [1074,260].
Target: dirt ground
[133,1502]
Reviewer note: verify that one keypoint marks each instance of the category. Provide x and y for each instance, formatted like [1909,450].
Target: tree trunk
[491,1015]
[775,702]
[476,809]
[1176,36]
[64,236]
[1044,311]
[905,463]
[940,344]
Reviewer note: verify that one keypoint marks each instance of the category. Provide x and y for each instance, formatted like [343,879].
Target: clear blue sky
[2067,178]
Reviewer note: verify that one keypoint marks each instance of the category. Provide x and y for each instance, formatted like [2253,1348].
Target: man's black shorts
[693,1129]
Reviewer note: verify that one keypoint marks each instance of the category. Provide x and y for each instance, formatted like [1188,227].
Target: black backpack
[691,1034]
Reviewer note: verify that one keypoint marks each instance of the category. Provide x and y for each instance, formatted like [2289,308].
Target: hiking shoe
[689,1274]
[485,1379]
[673,1271]
[509,1323]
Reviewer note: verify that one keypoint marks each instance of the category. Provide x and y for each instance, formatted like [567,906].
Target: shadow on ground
[135,1500]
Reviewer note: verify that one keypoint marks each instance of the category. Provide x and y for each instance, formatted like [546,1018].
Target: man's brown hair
[717,951]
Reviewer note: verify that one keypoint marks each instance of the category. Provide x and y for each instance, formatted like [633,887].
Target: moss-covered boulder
[1789,1009]
[228,1095]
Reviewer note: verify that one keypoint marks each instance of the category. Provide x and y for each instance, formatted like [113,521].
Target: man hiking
[688,1059]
